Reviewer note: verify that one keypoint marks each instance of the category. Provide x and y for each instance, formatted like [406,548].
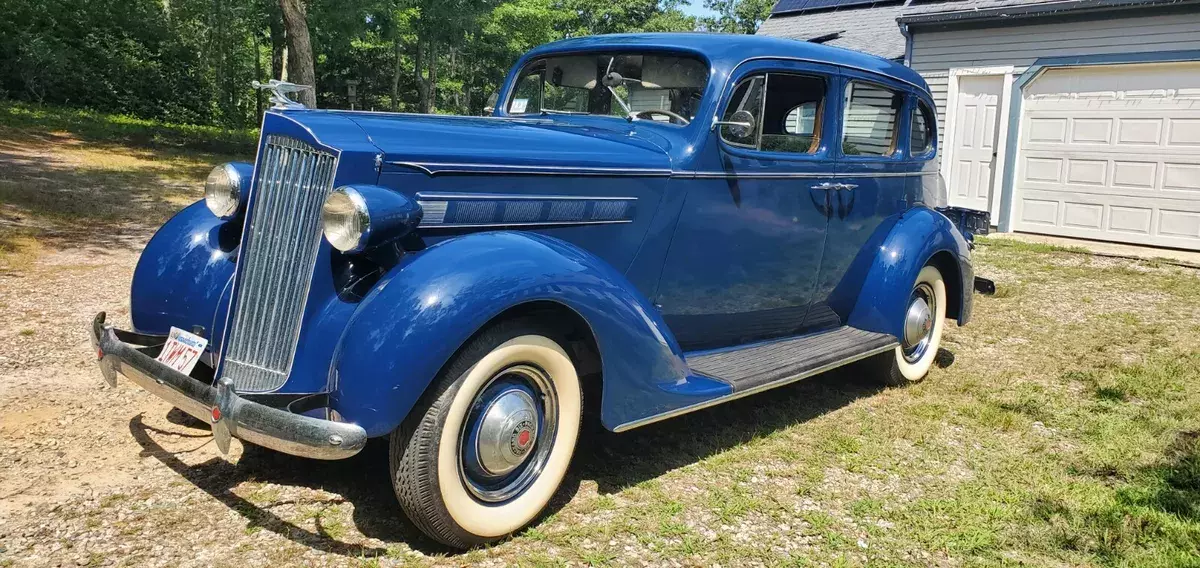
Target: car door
[748,243]
[877,181]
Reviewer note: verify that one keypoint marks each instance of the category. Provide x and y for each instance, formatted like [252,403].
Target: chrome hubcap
[508,434]
[918,322]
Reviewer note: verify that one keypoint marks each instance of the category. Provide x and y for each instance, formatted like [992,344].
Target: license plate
[182,350]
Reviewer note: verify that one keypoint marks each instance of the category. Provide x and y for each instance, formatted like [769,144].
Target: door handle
[845,186]
[826,186]
[825,205]
[844,207]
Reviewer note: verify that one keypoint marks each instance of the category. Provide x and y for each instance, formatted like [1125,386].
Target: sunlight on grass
[73,177]
[17,250]
[30,120]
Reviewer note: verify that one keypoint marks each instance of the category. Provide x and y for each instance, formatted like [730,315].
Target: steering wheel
[675,118]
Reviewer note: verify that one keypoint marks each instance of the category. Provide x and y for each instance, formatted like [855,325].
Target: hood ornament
[280,91]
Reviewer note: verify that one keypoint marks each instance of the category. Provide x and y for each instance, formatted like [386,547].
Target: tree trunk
[396,70]
[278,46]
[300,57]
[422,84]
[431,104]
[258,71]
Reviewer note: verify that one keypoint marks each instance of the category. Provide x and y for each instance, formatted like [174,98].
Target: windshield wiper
[553,111]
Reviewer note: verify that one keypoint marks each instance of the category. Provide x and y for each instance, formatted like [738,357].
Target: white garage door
[1112,152]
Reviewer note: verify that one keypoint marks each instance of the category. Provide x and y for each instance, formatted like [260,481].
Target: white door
[973,153]
[1112,152]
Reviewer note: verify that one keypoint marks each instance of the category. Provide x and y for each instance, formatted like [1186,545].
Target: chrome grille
[275,265]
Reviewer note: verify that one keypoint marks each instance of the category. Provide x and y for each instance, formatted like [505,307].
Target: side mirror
[741,125]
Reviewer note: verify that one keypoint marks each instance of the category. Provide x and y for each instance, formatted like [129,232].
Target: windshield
[661,87]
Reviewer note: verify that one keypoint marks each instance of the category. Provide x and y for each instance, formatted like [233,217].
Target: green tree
[736,16]
[192,61]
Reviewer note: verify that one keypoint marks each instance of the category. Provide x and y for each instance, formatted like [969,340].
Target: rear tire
[910,362]
[481,454]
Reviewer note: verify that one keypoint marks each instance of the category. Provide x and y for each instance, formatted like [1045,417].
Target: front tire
[488,445]
[925,316]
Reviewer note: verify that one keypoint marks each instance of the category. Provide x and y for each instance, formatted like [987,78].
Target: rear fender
[428,306]
[915,239]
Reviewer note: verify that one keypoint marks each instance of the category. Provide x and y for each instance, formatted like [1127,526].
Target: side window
[787,112]
[869,123]
[920,141]
[792,117]
[748,96]
[527,97]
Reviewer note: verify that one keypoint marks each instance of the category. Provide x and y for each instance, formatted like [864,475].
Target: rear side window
[792,116]
[870,120]
[920,141]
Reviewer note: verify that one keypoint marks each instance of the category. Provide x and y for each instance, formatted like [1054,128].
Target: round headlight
[345,220]
[223,191]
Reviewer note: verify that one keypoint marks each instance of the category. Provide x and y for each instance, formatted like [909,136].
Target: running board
[758,367]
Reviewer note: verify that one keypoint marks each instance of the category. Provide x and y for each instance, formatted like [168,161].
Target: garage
[1111,152]
[1077,119]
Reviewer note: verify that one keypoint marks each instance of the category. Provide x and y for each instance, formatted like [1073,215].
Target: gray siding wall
[936,52]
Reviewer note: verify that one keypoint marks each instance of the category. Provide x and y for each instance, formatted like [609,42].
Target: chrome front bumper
[125,353]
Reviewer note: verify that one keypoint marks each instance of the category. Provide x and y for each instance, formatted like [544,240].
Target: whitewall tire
[924,320]
[489,444]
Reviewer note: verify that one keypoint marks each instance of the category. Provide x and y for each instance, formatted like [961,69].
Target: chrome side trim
[435,168]
[754,390]
[432,195]
[546,224]
[754,175]
[796,175]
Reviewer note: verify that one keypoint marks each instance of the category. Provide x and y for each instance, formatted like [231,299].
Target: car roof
[726,51]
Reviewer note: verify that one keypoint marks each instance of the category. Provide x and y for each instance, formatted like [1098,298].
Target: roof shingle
[869,29]
[872,27]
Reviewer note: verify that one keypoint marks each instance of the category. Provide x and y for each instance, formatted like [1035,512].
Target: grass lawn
[1065,433]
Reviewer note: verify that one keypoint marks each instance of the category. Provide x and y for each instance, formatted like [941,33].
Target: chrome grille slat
[275,265]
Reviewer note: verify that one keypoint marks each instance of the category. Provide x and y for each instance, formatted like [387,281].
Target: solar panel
[791,6]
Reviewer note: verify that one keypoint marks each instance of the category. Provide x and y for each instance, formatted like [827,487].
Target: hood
[436,143]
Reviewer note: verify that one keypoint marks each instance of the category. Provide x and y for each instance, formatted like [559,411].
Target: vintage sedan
[646,226]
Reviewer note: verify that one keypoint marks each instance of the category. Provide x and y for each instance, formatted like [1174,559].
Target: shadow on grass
[618,461]
[1155,507]
[614,461]
[1178,490]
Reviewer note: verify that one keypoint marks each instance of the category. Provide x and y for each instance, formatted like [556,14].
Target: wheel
[488,445]
[924,319]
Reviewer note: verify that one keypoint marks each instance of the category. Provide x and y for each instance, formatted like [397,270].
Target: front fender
[919,235]
[182,277]
[425,308]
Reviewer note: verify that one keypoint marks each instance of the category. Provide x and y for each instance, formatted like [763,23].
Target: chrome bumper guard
[124,353]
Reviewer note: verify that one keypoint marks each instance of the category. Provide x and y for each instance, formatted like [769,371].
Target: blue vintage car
[646,226]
